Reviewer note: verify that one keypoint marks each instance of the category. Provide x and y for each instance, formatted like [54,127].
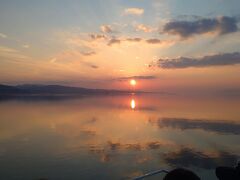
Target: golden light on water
[133,104]
[133,82]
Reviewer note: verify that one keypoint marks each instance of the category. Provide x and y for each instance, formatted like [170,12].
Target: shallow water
[116,137]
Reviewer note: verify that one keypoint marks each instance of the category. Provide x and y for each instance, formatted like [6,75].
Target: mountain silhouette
[32,89]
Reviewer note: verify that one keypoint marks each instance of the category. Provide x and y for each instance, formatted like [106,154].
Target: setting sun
[133,82]
[112,89]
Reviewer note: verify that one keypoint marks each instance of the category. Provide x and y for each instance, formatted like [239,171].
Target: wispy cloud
[185,29]
[93,66]
[26,46]
[205,61]
[106,29]
[7,50]
[134,11]
[97,36]
[137,78]
[134,39]
[11,53]
[144,28]
[3,35]
[153,41]
[73,57]
[114,41]
[88,53]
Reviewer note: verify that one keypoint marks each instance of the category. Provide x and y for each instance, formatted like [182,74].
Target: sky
[165,45]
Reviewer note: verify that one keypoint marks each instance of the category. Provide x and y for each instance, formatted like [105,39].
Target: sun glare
[133,82]
[133,104]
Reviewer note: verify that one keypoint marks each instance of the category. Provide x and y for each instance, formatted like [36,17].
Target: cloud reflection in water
[217,126]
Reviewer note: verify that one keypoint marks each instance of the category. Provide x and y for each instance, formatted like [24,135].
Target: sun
[133,82]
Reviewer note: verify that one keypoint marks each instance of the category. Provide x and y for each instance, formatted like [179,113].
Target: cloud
[144,28]
[8,50]
[220,126]
[88,53]
[118,41]
[3,35]
[134,146]
[185,29]
[11,53]
[187,157]
[89,65]
[205,61]
[137,78]
[154,145]
[134,39]
[153,41]
[138,40]
[106,29]
[137,146]
[73,56]
[163,43]
[97,36]
[113,147]
[114,41]
[134,11]
[94,66]
[26,46]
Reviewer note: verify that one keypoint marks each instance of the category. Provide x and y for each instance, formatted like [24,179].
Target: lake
[116,137]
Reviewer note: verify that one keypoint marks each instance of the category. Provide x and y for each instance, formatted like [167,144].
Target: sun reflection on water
[133,104]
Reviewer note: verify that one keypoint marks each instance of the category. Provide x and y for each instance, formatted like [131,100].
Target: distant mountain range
[32,89]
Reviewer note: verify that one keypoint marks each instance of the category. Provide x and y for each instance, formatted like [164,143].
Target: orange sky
[86,44]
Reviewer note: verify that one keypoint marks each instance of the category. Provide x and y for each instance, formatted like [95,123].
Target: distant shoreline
[58,91]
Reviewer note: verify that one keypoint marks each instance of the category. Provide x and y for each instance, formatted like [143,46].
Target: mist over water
[116,137]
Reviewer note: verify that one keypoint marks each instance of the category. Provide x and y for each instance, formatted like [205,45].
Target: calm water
[116,137]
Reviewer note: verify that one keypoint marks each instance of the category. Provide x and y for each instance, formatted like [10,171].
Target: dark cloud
[154,145]
[137,78]
[187,157]
[114,145]
[114,41]
[221,25]
[153,41]
[220,126]
[205,61]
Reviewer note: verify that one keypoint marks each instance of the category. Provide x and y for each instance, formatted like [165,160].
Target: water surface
[116,137]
